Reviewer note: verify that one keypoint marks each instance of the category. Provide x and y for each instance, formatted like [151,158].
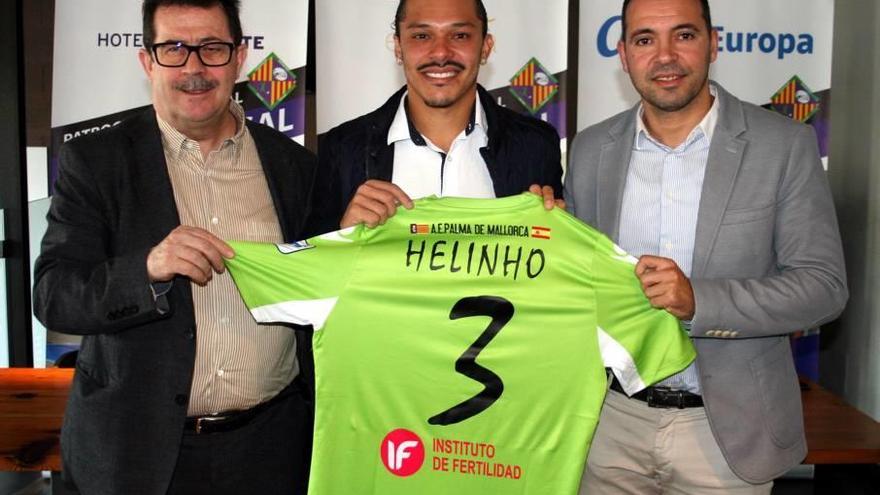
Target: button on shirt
[661,201]
[423,169]
[239,364]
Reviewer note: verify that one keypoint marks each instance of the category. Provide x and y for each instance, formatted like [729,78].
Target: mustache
[668,69]
[448,63]
[196,83]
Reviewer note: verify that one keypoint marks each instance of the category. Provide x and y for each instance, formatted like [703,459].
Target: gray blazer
[767,261]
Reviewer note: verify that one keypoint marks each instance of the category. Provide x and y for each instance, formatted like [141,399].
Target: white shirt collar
[706,126]
[400,131]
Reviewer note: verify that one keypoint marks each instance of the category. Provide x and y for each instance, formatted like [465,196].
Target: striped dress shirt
[239,364]
[661,200]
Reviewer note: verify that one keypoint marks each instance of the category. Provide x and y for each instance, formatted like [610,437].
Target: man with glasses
[177,390]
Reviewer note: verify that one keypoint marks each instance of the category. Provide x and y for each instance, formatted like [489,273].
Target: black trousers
[269,455]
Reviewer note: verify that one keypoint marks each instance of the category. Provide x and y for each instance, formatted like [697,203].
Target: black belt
[231,420]
[662,396]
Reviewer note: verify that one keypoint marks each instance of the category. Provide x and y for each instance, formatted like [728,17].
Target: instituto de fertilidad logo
[534,86]
[795,100]
[271,81]
[402,452]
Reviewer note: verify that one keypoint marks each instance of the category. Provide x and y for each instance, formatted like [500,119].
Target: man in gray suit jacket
[728,207]
[177,389]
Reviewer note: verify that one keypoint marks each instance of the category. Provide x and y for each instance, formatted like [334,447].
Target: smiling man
[442,134]
[729,208]
[177,390]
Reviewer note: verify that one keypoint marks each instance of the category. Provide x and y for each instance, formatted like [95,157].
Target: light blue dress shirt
[661,200]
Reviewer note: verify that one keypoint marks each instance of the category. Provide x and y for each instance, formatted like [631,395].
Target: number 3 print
[501,311]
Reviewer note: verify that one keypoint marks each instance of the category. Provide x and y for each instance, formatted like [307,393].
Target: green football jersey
[461,347]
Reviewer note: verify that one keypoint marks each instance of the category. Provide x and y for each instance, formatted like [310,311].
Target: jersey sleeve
[298,282]
[642,345]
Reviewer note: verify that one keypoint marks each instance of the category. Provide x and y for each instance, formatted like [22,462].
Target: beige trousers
[642,450]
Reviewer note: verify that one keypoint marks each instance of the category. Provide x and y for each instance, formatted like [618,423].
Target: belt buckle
[206,419]
[659,397]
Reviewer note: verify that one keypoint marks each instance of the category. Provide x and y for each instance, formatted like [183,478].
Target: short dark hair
[230,8]
[478,4]
[707,16]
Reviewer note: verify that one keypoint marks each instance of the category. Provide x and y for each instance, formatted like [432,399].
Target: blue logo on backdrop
[779,44]
[608,47]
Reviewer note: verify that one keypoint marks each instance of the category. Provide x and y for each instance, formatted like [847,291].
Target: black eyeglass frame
[189,51]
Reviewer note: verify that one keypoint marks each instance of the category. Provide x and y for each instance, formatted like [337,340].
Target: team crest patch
[271,81]
[795,100]
[534,86]
[293,247]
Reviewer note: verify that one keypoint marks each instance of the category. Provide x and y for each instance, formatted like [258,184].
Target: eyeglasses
[176,54]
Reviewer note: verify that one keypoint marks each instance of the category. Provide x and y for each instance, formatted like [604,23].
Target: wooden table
[32,406]
[838,433]
[31,409]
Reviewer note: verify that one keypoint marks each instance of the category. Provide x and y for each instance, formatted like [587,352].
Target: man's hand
[666,286]
[373,203]
[188,251]
[549,198]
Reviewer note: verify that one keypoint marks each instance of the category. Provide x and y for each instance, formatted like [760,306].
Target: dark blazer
[767,261]
[113,201]
[521,151]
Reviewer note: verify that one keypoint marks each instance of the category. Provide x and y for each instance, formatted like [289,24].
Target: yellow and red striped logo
[786,94]
[271,81]
[795,100]
[526,76]
[533,86]
[540,232]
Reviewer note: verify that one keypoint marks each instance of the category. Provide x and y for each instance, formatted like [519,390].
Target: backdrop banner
[774,54]
[97,80]
[527,71]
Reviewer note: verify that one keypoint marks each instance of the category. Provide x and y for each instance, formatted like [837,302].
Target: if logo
[402,452]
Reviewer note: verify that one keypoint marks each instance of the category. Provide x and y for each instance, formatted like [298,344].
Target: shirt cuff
[687,325]
[159,291]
